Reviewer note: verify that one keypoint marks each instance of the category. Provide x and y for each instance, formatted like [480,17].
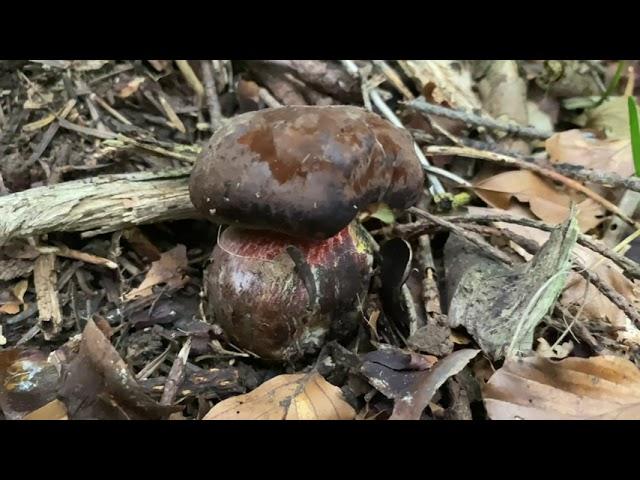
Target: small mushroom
[304,171]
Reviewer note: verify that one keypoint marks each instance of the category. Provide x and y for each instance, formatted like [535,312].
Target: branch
[97,205]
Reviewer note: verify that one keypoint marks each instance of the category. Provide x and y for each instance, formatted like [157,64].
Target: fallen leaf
[54,410]
[612,117]
[538,118]
[444,82]
[412,389]
[298,396]
[169,269]
[99,385]
[535,388]
[500,305]
[504,92]
[577,148]
[546,202]
[11,300]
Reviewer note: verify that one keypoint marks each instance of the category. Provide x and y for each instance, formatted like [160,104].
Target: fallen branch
[631,268]
[473,119]
[97,205]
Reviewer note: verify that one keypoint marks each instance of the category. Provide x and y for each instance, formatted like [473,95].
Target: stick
[545,172]
[473,119]
[45,280]
[474,238]
[213,102]
[176,375]
[97,205]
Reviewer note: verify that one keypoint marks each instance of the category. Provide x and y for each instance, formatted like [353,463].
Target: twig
[213,102]
[117,115]
[176,375]
[629,266]
[473,119]
[394,78]
[45,280]
[267,98]
[63,251]
[608,291]
[51,132]
[601,177]
[172,116]
[474,238]
[190,77]
[545,172]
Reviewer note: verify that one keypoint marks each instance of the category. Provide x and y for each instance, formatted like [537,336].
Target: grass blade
[635,133]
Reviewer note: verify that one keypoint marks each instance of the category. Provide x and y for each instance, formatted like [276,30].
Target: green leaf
[635,133]
[614,83]
[384,214]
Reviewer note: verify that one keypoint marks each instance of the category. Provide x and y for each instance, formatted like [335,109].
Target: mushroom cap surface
[305,171]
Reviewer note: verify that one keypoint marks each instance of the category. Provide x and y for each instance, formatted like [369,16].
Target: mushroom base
[280,297]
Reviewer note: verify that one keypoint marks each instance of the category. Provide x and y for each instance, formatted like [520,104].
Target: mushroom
[305,171]
[294,266]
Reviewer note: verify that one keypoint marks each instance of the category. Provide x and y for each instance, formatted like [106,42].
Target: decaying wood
[97,205]
[45,280]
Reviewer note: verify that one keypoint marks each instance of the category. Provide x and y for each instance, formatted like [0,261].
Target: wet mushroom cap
[304,171]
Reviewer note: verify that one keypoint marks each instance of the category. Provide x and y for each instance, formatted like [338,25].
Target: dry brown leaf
[535,388]
[596,306]
[54,410]
[504,92]
[545,201]
[298,396]
[444,82]
[169,269]
[98,384]
[11,305]
[576,148]
[612,117]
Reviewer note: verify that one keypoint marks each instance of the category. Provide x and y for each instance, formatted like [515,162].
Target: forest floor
[512,281]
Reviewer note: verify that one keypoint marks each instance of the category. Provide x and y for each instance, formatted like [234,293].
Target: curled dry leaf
[443,82]
[169,269]
[11,299]
[98,384]
[546,202]
[535,388]
[577,148]
[412,388]
[299,396]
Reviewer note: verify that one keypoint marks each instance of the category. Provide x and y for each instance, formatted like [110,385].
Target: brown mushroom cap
[304,171]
